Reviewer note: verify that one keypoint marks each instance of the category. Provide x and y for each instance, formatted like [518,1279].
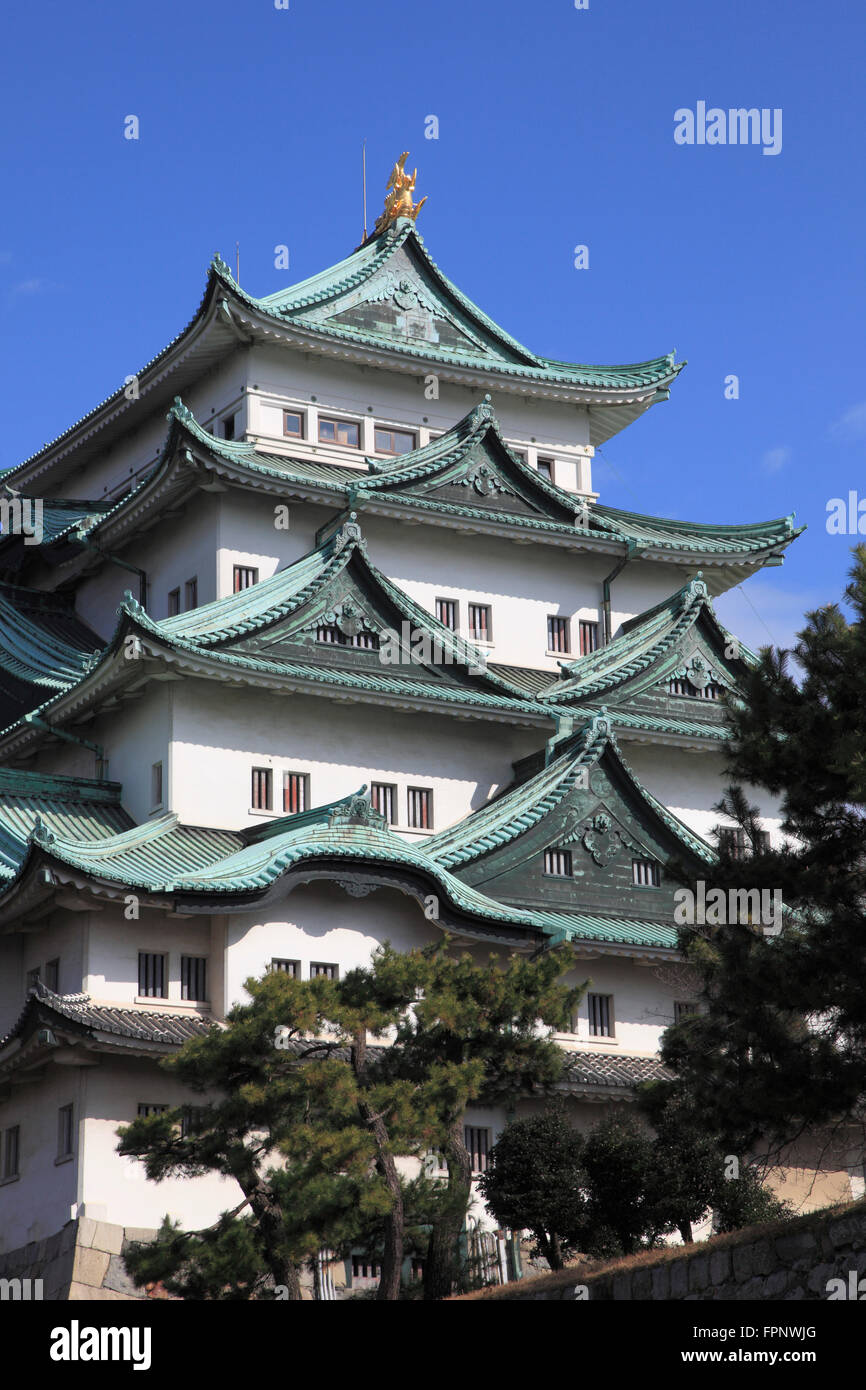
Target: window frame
[157,786]
[190,589]
[453,604]
[610,1019]
[52,967]
[268,774]
[392,430]
[483,1150]
[321,970]
[10,1154]
[655,872]
[302,420]
[173,603]
[65,1124]
[557,623]
[427,793]
[237,571]
[485,608]
[304,783]
[145,993]
[277,964]
[566,854]
[393,794]
[195,968]
[585,625]
[337,421]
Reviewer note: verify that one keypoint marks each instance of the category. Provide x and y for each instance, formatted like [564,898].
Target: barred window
[173,603]
[156,785]
[365,1268]
[191,593]
[684,1008]
[732,842]
[261,795]
[420,803]
[557,635]
[324,969]
[600,1015]
[680,686]
[11,1152]
[479,622]
[557,863]
[191,1120]
[331,636]
[244,577]
[64,1131]
[477,1143]
[588,637]
[193,977]
[383,798]
[286,967]
[52,974]
[151,975]
[447,613]
[295,792]
[646,873]
[145,1108]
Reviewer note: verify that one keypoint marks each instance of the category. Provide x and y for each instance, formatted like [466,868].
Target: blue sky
[556,129]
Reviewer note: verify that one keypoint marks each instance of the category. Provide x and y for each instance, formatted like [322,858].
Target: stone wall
[791,1261]
[80,1261]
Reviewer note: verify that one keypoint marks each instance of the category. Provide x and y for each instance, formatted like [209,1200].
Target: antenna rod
[364,167]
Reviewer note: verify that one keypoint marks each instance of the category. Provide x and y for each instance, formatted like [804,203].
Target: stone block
[138,1233]
[777,1283]
[90,1267]
[107,1237]
[817,1280]
[720,1267]
[742,1257]
[622,1288]
[86,1231]
[641,1284]
[661,1282]
[79,1293]
[763,1257]
[699,1272]
[117,1278]
[849,1230]
[679,1278]
[798,1246]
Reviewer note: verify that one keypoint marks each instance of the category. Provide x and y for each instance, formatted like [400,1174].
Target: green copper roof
[73,807]
[44,649]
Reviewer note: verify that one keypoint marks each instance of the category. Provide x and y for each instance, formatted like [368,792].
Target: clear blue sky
[556,129]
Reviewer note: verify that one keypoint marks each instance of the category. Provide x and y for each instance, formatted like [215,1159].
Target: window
[477,1143]
[416,1268]
[295,792]
[174,603]
[545,468]
[557,635]
[228,427]
[331,635]
[646,873]
[151,975]
[191,1120]
[145,1109]
[193,977]
[52,974]
[346,432]
[734,842]
[588,637]
[190,594]
[286,967]
[365,1268]
[420,801]
[11,1153]
[245,576]
[64,1131]
[33,978]
[479,622]
[394,441]
[557,863]
[156,785]
[684,1009]
[383,798]
[261,794]
[447,613]
[600,1015]
[680,686]
[293,424]
[323,969]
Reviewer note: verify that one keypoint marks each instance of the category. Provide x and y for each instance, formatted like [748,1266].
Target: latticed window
[588,637]
[193,977]
[244,577]
[145,1109]
[420,803]
[557,635]
[646,873]
[287,967]
[680,686]
[295,796]
[383,798]
[477,1143]
[600,1015]
[151,975]
[331,636]
[557,863]
[479,622]
[261,791]
[324,969]
[365,1268]
[446,612]
[191,1120]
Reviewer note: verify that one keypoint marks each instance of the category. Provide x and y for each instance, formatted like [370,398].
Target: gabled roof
[523,806]
[387,305]
[79,1020]
[73,807]
[651,648]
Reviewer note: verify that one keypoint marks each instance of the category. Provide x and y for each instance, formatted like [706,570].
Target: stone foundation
[80,1261]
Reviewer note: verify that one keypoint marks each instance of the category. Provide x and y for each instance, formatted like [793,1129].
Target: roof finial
[399,202]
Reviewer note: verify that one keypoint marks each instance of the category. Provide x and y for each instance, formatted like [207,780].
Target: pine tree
[779,1046]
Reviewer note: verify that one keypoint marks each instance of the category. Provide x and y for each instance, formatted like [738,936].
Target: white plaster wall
[114,943]
[220,733]
[114,1188]
[643,1003]
[40,1201]
[689,784]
